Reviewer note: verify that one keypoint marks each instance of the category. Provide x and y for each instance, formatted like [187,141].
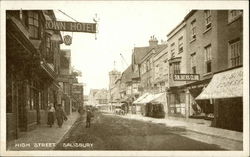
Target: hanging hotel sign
[67,40]
[186,77]
[70,26]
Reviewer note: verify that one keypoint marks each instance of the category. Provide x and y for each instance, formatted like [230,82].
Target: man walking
[88,118]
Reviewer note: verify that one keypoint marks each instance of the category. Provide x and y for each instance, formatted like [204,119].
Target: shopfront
[152,105]
[177,103]
[225,93]
[199,109]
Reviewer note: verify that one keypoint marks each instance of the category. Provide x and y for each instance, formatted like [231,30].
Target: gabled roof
[157,49]
[127,74]
[160,48]
[141,52]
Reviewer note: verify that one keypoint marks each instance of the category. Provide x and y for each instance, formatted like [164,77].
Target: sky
[122,26]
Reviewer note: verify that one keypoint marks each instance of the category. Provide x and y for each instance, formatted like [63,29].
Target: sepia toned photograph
[117,78]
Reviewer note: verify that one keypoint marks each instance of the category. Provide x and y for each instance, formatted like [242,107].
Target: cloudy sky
[122,25]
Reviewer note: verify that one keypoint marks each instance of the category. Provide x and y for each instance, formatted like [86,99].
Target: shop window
[33,24]
[208,58]
[34,96]
[234,53]
[180,44]
[42,100]
[234,14]
[193,30]
[208,18]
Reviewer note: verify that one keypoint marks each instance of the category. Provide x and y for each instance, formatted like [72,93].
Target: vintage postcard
[124,78]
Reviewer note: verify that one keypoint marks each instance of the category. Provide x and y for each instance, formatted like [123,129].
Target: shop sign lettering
[186,77]
[70,26]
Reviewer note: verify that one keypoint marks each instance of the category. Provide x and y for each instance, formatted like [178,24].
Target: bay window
[33,24]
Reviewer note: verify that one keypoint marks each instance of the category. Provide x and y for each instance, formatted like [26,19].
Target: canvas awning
[140,98]
[152,98]
[159,98]
[147,99]
[227,84]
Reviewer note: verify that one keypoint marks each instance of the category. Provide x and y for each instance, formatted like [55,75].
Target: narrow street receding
[111,132]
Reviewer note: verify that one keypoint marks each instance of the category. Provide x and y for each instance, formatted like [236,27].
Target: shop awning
[159,98]
[147,99]
[140,98]
[227,84]
[152,98]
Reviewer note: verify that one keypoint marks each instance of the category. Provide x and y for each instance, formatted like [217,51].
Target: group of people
[57,112]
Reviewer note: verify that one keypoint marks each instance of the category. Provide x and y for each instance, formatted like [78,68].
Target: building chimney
[153,41]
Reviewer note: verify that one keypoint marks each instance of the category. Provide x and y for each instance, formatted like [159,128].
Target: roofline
[189,14]
[146,56]
[162,49]
[183,21]
[176,27]
[153,48]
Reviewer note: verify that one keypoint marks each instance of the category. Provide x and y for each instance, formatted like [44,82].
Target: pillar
[187,104]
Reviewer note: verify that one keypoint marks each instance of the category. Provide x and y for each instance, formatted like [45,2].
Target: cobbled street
[112,132]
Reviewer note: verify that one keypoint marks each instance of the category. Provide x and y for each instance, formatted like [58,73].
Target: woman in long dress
[51,112]
[60,115]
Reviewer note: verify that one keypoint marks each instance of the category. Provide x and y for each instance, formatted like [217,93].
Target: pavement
[43,137]
[191,126]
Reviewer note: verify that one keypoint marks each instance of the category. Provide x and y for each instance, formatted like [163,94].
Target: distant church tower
[113,75]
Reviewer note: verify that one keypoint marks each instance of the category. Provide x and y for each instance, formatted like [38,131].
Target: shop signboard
[76,88]
[197,86]
[186,77]
[70,26]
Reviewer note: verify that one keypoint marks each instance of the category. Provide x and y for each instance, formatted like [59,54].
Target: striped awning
[227,84]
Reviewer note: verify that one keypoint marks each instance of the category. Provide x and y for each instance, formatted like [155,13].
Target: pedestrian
[60,115]
[88,118]
[80,110]
[51,115]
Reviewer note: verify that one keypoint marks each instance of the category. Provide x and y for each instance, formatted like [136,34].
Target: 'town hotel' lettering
[71,26]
